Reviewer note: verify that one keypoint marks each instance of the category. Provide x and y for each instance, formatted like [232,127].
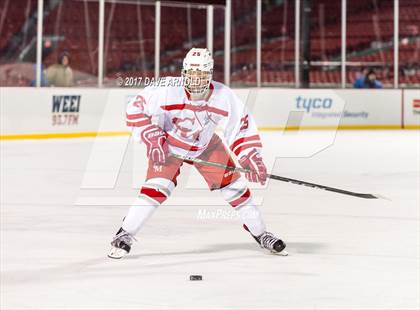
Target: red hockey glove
[155,139]
[253,162]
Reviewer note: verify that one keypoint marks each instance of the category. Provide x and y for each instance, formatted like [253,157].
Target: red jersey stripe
[154,194]
[244,139]
[134,116]
[171,107]
[246,146]
[244,197]
[186,106]
[138,124]
[217,111]
[178,143]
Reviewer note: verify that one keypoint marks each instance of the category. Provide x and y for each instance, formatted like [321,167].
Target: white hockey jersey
[189,124]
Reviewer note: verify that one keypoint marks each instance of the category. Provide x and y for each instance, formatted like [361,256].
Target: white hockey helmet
[197,71]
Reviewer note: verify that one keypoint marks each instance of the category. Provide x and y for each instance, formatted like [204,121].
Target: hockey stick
[279,178]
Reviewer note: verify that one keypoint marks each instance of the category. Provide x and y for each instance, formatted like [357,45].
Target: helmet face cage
[196,82]
[197,72]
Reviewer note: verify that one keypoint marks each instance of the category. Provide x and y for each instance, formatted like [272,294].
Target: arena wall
[83,112]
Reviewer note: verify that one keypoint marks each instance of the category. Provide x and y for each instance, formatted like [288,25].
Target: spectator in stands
[370,81]
[360,78]
[409,69]
[47,49]
[44,81]
[60,74]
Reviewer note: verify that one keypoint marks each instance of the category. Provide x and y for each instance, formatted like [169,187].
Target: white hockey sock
[239,197]
[252,218]
[138,214]
[153,193]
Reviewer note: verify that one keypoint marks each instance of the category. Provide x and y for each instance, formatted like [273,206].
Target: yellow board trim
[90,134]
[411,126]
[60,135]
[340,127]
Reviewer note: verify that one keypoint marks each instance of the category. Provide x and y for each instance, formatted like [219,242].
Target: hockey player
[181,119]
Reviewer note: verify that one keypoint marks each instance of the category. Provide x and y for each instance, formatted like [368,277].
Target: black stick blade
[319,186]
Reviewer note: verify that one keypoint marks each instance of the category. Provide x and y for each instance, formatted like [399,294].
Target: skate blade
[117,253]
[282,253]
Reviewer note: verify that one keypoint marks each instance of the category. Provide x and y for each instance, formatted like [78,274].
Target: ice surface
[345,252]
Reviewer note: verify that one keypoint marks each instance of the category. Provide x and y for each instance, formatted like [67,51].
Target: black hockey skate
[271,243]
[121,244]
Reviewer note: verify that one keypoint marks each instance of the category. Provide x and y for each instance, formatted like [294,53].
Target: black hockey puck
[196,277]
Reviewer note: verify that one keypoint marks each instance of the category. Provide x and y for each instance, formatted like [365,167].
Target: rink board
[411,108]
[82,112]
